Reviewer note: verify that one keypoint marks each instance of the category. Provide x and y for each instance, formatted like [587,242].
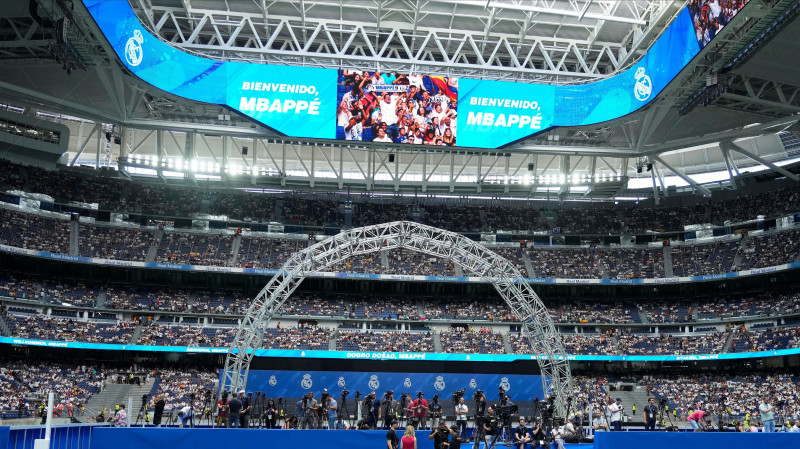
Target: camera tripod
[662,413]
[142,414]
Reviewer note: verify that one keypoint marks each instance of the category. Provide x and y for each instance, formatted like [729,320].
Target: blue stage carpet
[160,438]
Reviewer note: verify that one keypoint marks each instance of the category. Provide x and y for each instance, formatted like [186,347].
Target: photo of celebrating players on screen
[710,16]
[399,108]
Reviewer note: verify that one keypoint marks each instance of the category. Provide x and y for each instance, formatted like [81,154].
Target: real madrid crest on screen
[273,381]
[407,383]
[373,382]
[133,49]
[473,384]
[306,382]
[504,383]
[644,85]
[439,384]
[341,382]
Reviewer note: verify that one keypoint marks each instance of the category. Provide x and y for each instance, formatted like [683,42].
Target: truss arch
[474,258]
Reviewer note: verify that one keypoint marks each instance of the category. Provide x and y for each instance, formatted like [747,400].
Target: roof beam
[695,186]
[567,13]
[730,146]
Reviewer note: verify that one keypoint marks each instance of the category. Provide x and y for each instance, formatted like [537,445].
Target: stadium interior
[652,254]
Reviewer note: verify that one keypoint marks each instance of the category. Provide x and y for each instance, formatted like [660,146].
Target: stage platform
[86,437]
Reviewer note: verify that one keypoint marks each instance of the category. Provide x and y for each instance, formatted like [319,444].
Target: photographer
[271,414]
[480,411]
[222,410]
[649,413]
[440,436]
[489,429]
[392,441]
[389,409]
[158,414]
[418,409]
[436,412]
[571,428]
[615,408]
[333,412]
[186,414]
[455,438]
[539,436]
[697,420]
[522,435]
[374,410]
[310,411]
[461,415]
[767,415]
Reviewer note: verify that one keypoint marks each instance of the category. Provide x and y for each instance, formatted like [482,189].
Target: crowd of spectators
[739,392]
[469,341]
[44,327]
[176,387]
[770,250]
[119,194]
[390,341]
[114,242]
[36,232]
[72,384]
[766,340]
[712,343]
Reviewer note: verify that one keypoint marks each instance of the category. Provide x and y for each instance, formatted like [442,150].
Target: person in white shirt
[796,427]
[186,414]
[616,414]
[121,417]
[599,423]
[461,416]
[382,137]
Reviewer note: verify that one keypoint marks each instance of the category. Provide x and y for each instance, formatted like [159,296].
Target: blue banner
[294,384]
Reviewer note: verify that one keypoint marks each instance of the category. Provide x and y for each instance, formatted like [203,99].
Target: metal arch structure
[472,257]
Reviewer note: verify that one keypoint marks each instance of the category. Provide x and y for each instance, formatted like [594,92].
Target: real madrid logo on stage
[504,383]
[644,86]
[273,381]
[341,382]
[306,382]
[133,49]
[373,383]
[439,384]
[473,384]
[407,383]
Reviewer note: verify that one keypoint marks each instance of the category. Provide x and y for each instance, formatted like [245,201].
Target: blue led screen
[331,104]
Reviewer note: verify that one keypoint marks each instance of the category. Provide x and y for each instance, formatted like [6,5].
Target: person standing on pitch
[461,416]
[649,413]
[616,414]
[767,415]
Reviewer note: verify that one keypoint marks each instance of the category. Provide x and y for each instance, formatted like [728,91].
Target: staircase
[235,245]
[136,392]
[137,332]
[459,271]
[112,395]
[728,340]
[638,396]
[152,252]
[737,258]
[667,253]
[507,343]
[437,342]
[5,329]
[385,259]
[528,265]
[100,301]
[74,230]
[332,341]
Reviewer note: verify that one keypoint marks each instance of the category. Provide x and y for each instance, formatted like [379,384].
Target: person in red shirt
[698,420]
[417,411]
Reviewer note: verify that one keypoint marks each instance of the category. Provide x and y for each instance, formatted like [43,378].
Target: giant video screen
[406,108]
[710,16]
[397,108]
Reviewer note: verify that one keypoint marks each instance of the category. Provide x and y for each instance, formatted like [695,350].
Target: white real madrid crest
[133,49]
[439,384]
[504,383]
[373,382]
[341,382]
[644,85]
[273,381]
[306,382]
[473,384]
[407,383]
